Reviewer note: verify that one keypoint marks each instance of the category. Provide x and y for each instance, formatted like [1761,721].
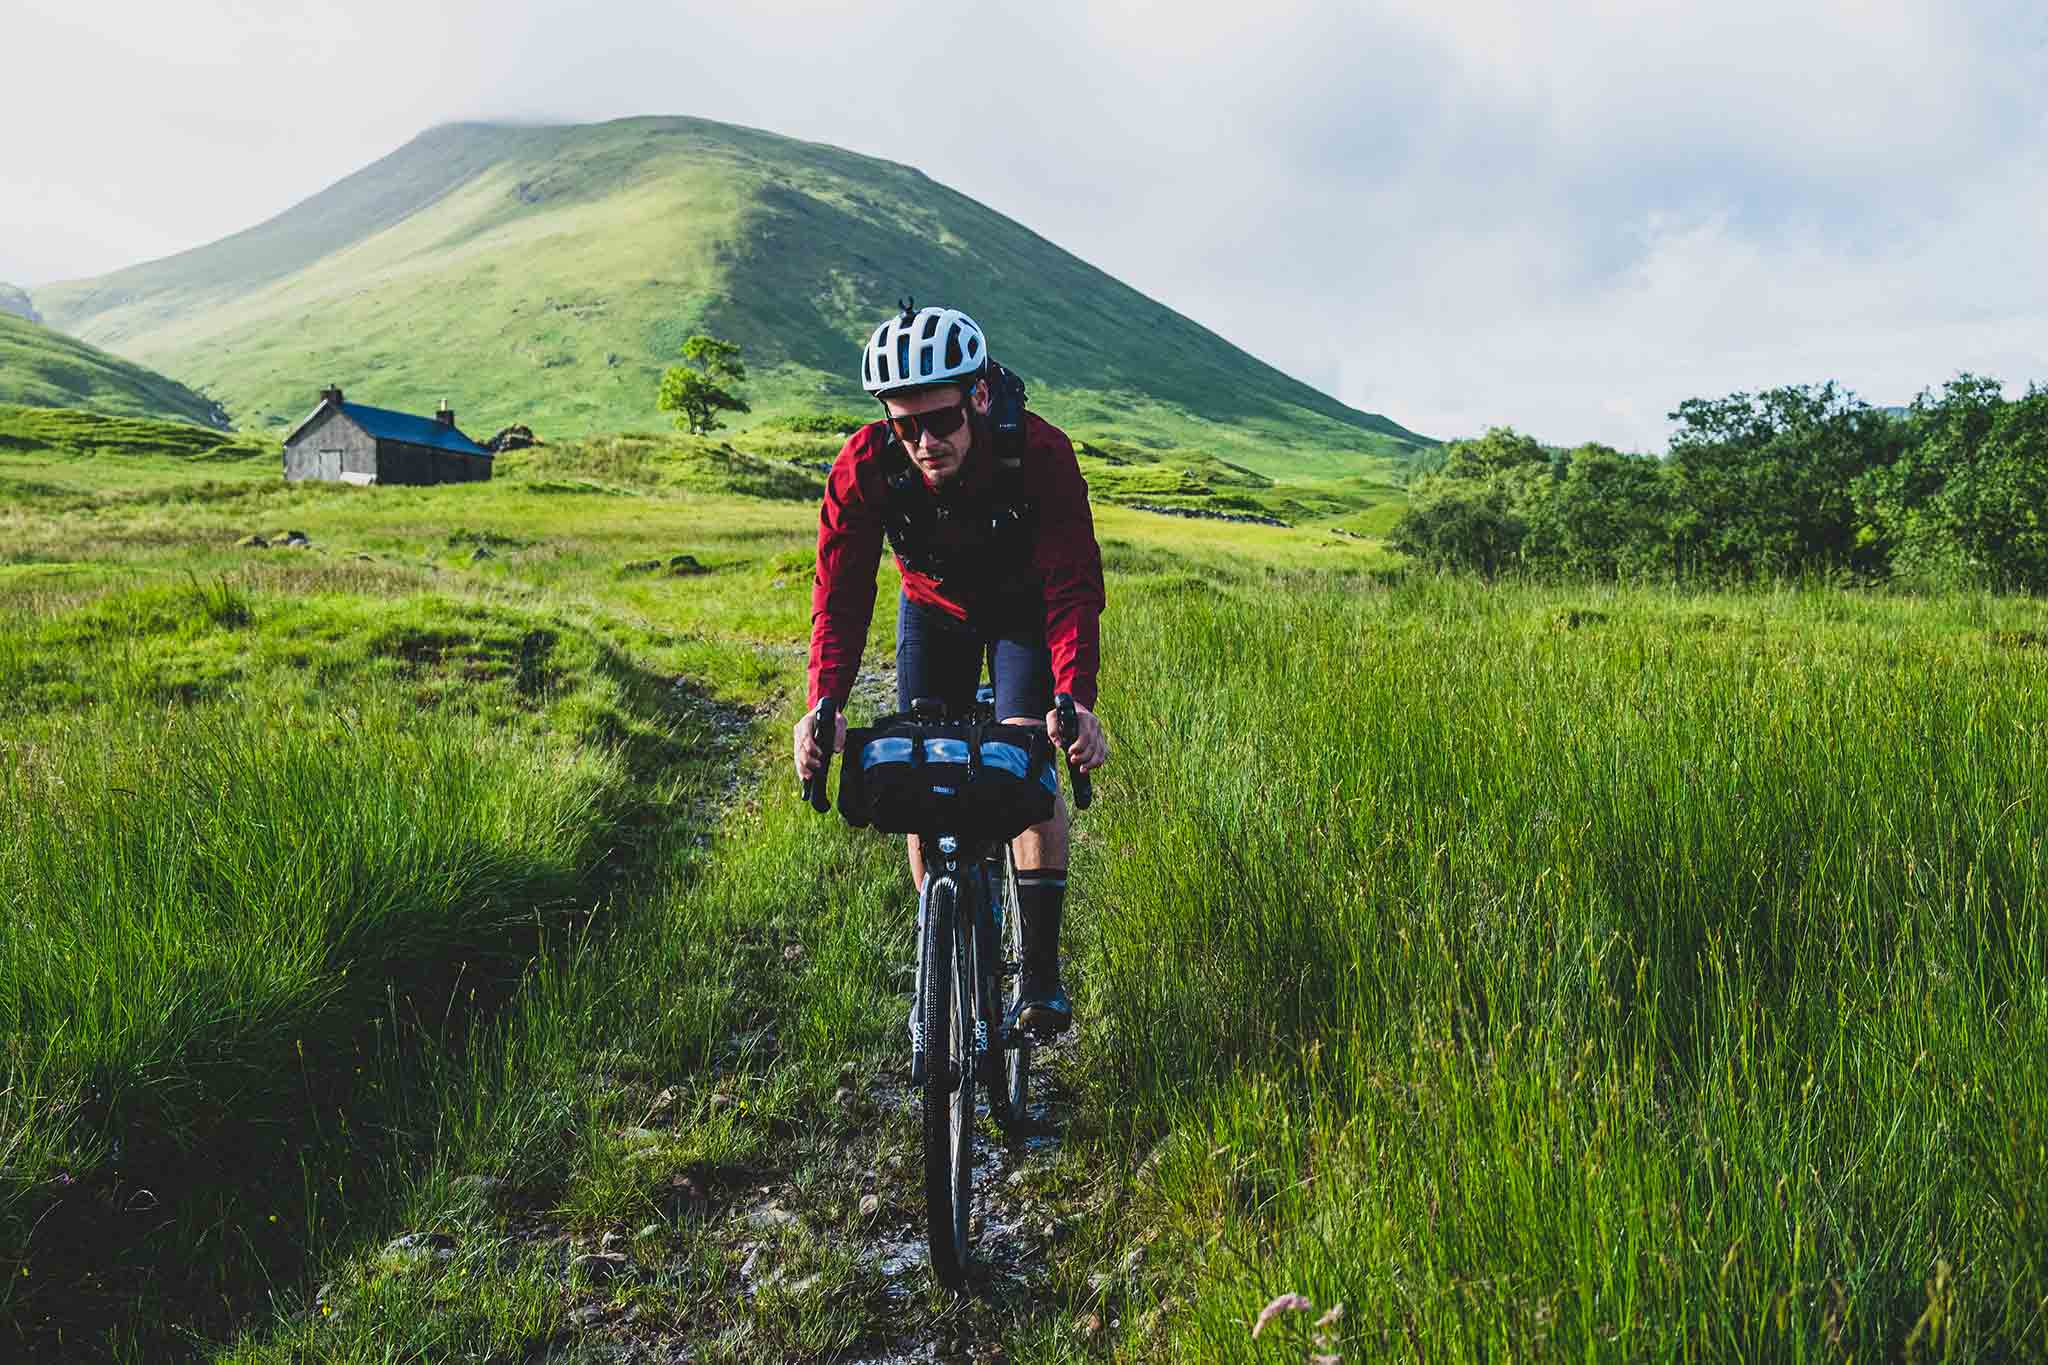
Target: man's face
[940,459]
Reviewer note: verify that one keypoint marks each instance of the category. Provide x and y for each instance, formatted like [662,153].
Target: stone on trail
[477,1186]
[421,1246]
[599,1265]
[662,1110]
[252,541]
[769,1216]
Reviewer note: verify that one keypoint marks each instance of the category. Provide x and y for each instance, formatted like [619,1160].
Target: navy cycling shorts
[938,656]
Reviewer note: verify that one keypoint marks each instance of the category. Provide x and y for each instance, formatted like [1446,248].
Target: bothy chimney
[331,394]
[446,416]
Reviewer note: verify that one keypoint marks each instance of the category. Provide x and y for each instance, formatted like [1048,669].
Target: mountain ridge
[16,301]
[546,274]
[42,368]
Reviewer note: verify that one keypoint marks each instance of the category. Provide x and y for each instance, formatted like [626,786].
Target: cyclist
[993,536]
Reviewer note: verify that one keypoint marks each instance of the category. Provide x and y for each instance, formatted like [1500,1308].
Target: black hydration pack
[1009,517]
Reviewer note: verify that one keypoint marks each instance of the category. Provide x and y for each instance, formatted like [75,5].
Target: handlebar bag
[973,781]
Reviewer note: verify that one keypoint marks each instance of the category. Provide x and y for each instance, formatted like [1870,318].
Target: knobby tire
[948,1098]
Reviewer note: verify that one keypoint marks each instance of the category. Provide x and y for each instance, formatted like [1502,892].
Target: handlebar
[827,717]
[825,723]
[1084,788]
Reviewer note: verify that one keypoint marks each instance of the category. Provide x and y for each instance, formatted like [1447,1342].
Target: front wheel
[1017,1060]
[947,1043]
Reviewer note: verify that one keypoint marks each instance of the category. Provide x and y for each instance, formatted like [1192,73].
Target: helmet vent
[922,346]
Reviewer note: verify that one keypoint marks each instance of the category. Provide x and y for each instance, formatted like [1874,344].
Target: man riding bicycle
[987,514]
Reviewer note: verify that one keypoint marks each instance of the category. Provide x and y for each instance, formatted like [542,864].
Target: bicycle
[969,943]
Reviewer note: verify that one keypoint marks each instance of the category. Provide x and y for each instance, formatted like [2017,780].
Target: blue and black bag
[907,776]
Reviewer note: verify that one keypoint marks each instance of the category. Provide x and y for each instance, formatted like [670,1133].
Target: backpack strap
[909,517]
[1006,415]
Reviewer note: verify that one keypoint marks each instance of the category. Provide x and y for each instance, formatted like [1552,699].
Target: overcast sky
[1566,217]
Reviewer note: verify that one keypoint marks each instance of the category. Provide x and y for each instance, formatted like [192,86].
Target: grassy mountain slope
[546,275]
[46,369]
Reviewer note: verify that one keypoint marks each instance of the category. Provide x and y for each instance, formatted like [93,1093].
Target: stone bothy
[355,443]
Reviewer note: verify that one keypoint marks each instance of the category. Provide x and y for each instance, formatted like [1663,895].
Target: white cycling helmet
[922,346]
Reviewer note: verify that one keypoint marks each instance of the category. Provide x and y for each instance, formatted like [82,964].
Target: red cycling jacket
[1064,572]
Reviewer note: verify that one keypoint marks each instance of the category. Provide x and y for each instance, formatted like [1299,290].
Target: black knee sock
[1041,894]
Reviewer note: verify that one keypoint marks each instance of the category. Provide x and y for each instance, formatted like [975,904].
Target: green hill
[547,274]
[45,369]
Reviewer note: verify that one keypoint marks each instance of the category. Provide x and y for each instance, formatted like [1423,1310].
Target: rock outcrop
[512,438]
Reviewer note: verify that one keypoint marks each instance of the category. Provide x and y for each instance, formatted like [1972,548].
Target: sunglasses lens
[940,424]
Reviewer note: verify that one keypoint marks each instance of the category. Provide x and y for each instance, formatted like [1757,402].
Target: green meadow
[415,949]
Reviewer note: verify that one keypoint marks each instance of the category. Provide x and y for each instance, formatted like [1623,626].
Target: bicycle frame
[974,877]
[969,943]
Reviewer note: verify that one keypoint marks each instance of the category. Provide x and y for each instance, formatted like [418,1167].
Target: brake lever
[824,730]
[1084,787]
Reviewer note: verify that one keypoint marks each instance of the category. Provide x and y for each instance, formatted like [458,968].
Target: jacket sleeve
[1069,563]
[843,594]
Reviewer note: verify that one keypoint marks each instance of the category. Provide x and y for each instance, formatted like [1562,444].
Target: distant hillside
[79,435]
[14,299]
[45,369]
[546,275]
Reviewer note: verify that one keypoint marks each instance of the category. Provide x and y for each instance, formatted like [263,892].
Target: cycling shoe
[1043,1012]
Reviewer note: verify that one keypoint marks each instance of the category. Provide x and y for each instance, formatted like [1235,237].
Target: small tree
[696,395]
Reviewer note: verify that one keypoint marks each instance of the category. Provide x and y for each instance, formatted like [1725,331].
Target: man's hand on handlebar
[810,758]
[1087,748]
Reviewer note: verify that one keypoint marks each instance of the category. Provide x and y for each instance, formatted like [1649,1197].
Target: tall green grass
[212,917]
[1617,977]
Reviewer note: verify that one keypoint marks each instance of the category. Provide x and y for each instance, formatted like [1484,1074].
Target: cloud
[1567,217]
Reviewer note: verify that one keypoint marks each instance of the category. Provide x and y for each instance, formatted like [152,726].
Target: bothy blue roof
[386,425]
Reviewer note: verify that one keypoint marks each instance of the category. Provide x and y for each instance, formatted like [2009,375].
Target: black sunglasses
[940,422]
